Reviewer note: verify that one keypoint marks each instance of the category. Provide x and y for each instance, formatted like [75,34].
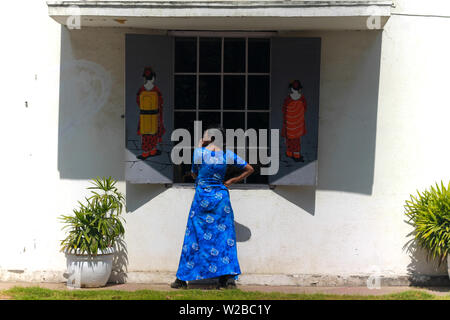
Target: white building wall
[376,146]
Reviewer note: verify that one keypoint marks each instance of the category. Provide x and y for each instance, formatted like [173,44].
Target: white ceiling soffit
[263,15]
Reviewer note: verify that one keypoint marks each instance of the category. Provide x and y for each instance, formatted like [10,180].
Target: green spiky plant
[96,224]
[429,213]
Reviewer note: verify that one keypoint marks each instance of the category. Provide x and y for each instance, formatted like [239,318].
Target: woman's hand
[203,143]
[248,170]
[229,182]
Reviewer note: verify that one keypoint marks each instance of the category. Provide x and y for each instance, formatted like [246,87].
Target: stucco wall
[382,134]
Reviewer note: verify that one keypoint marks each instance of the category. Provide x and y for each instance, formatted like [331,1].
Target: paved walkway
[283,289]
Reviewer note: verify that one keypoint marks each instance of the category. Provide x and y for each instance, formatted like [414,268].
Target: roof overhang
[260,15]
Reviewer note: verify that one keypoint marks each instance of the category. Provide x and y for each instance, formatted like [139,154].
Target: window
[223,80]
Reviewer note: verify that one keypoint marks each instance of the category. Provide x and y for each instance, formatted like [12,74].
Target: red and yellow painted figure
[294,109]
[151,126]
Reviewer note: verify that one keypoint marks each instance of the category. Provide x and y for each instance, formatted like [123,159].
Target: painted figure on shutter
[294,108]
[151,125]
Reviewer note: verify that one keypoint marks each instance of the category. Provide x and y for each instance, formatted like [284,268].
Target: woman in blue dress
[209,247]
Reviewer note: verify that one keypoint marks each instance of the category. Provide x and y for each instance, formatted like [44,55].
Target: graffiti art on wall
[151,125]
[294,108]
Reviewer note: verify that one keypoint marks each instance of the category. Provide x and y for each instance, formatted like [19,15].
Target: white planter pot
[85,271]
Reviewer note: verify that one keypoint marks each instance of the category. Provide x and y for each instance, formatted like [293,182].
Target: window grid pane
[210,59]
[216,80]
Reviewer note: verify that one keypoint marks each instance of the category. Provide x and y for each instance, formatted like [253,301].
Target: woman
[209,248]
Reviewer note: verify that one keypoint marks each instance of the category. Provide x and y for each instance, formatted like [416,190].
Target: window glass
[185,54]
[185,92]
[259,55]
[234,55]
[210,54]
[209,92]
[184,120]
[256,177]
[209,118]
[234,120]
[234,92]
[258,120]
[258,92]
[182,173]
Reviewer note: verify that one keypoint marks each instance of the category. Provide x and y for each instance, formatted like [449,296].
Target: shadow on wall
[120,263]
[138,195]
[420,270]
[302,196]
[243,233]
[348,113]
[90,128]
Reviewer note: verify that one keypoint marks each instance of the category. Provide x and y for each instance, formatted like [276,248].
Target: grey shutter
[296,59]
[142,51]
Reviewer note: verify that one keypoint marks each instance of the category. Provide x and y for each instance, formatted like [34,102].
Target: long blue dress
[209,247]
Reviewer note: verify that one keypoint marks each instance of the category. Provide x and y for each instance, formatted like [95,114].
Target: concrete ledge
[223,15]
[305,280]
[241,4]
[31,276]
[220,8]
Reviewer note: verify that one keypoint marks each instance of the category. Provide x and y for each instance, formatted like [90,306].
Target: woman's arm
[248,170]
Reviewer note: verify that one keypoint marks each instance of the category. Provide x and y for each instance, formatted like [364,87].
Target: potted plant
[92,233]
[429,213]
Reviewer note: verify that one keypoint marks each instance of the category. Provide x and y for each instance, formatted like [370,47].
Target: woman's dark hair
[216,127]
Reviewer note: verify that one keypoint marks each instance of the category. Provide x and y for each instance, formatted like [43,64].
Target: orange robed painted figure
[294,108]
[151,126]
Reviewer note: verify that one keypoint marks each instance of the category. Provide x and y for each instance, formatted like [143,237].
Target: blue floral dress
[209,247]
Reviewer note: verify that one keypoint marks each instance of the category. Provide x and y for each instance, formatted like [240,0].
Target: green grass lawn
[36,293]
